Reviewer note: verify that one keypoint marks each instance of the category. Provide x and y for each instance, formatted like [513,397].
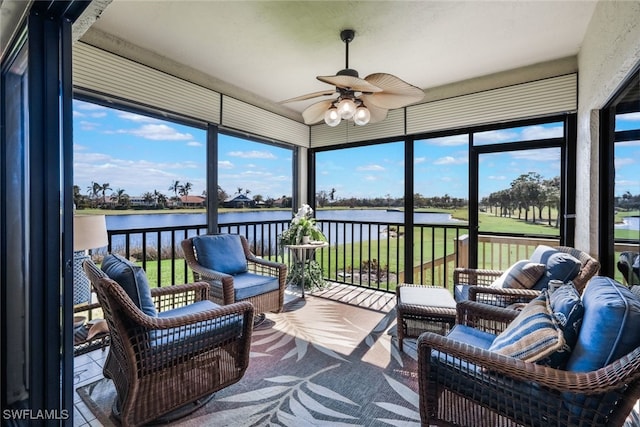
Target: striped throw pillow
[521,275]
[533,335]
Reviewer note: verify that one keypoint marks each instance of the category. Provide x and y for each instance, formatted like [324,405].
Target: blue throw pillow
[558,266]
[132,279]
[609,326]
[566,307]
[221,252]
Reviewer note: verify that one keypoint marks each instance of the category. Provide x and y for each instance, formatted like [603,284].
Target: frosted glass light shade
[346,108]
[362,116]
[332,117]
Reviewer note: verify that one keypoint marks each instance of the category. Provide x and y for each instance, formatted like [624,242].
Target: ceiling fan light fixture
[362,116]
[332,117]
[346,108]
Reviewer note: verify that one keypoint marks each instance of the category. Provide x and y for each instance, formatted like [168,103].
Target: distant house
[238,201]
[193,201]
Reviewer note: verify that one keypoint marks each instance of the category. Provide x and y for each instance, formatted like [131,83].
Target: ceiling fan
[362,100]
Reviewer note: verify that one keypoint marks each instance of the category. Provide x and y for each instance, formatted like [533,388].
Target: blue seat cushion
[247,285]
[609,325]
[168,345]
[471,336]
[558,266]
[132,279]
[221,252]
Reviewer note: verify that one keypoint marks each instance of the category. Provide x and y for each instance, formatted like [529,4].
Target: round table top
[310,245]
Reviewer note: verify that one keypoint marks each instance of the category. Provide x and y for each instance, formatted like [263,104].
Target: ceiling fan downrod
[347,37]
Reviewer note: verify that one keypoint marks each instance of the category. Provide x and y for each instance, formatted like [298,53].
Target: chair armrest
[484,317]
[265,262]
[214,278]
[242,308]
[475,276]
[268,267]
[501,297]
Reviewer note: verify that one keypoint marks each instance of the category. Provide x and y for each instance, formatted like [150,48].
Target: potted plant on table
[303,230]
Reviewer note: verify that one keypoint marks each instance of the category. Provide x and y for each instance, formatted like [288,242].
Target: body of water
[629,223]
[333,231]
[130,222]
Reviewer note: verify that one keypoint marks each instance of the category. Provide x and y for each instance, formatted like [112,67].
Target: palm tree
[148,198]
[118,196]
[175,187]
[103,189]
[185,189]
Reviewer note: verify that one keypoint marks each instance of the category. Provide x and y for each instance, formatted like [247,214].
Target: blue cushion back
[221,252]
[132,279]
[558,265]
[609,326]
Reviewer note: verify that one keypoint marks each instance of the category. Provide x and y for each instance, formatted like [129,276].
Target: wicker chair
[172,362]
[224,289]
[465,385]
[480,279]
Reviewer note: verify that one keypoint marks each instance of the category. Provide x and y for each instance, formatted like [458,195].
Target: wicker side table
[423,308]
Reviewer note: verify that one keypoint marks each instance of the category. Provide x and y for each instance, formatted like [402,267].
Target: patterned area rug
[320,362]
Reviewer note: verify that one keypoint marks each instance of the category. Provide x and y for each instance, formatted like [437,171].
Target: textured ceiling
[276,49]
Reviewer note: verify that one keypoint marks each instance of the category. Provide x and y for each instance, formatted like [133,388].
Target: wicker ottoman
[423,308]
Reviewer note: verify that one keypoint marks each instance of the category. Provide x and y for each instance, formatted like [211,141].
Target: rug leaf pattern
[318,363]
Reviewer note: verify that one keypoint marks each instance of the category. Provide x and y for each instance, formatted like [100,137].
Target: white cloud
[628,143]
[194,144]
[448,141]
[370,168]
[450,160]
[497,177]
[134,176]
[225,164]
[137,117]
[370,178]
[541,155]
[86,125]
[494,136]
[629,117]
[160,132]
[541,132]
[254,154]
[419,160]
[446,179]
[619,162]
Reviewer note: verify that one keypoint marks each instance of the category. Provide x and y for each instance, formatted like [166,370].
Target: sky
[140,154]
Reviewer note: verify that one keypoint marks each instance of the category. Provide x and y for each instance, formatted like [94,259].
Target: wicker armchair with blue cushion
[565,360]
[171,347]
[234,272]
[524,280]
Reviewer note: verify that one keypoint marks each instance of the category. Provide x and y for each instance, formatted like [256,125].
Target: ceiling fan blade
[315,112]
[377,114]
[355,84]
[309,96]
[396,93]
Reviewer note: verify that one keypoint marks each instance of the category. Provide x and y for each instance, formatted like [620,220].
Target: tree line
[96,197]
[527,193]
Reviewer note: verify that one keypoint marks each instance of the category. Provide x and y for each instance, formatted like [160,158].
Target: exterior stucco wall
[610,51]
